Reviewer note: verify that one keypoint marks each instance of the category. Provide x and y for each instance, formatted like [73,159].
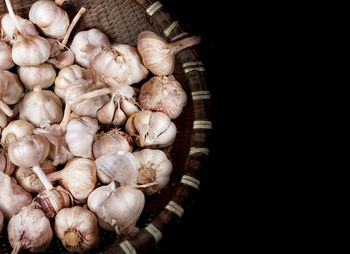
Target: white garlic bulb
[158,55]
[117,208]
[5,56]
[50,18]
[6,166]
[86,44]
[14,91]
[164,94]
[78,177]
[77,228]
[119,64]
[41,107]
[29,230]
[9,29]
[67,76]
[12,197]
[80,136]
[1,221]
[153,167]
[15,130]
[111,141]
[151,129]
[52,201]
[3,121]
[29,181]
[118,166]
[42,75]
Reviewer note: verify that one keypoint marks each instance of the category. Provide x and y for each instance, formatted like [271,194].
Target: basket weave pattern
[122,20]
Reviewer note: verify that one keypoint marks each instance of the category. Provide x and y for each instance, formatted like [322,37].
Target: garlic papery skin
[158,55]
[6,166]
[67,76]
[151,129]
[154,167]
[42,75]
[80,136]
[15,130]
[12,197]
[50,18]
[1,221]
[117,208]
[9,29]
[119,166]
[3,120]
[14,91]
[120,64]
[3,87]
[5,56]
[51,202]
[77,228]
[78,177]
[29,181]
[164,94]
[111,141]
[41,107]
[29,230]
[86,44]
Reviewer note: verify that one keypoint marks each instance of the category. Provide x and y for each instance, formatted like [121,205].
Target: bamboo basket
[122,20]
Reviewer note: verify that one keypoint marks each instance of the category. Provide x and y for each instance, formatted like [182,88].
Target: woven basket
[122,20]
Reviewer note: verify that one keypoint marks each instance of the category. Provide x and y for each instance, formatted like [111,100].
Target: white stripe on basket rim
[153,8]
[201,95]
[195,150]
[192,64]
[202,124]
[191,181]
[127,247]
[175,208]
[170,28]
[154,231]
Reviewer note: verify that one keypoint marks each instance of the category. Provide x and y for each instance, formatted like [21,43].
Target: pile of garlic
[81,142]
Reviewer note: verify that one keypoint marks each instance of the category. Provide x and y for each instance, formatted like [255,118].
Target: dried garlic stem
[184,43]
[7,110]
[43,178]
[71,26]
[17,249]
[59,2]
[14,18]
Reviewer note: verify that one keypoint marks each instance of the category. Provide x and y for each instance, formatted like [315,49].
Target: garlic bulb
[15,130]
[3,86]
[153,167]
[41,107]
[117,208]
[27,49]
[164,94]
[119,64]
[12,197]
[42,75]
[50,18]
[59,57]
[29,181]
[9,29]
[119,166]
[6,166]
[158,55]
[77,228]
[31,151]
[78,177]
[29,230]
[67,76]
[1,221]
[151,129]
[80,136]
[111,141]
[3,121]
[5,56]
[14,91]
[51,202]
[86,44]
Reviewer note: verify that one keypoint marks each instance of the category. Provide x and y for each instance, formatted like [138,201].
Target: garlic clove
[42,75]
[50,18]
[119,118]
[3,121]
[80,136]
[14,90]
[6,166]
[77,228]
[5,56]
[105,114]
[128,107]
[29,230]
[15,130]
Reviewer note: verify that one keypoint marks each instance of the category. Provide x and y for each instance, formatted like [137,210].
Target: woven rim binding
[198,152]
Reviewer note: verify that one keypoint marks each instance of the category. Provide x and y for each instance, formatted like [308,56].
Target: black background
[204,225]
